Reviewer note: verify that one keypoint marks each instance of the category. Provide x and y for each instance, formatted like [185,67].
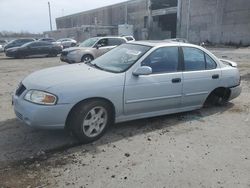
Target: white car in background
[2,43]
[1,48]
[66,42]
[91,48]
[129,38]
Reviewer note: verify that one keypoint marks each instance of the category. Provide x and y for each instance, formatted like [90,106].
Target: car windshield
[89,42]
[120,58]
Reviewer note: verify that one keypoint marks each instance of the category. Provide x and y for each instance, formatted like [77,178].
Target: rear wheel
[87,58]
[218,97]
[90,119]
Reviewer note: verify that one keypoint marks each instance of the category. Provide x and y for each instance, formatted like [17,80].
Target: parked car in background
[66,42]
[34,49]
[47,39]
[129,38]
[135,80]
[91,49]
[178,40]
[2,44]
[17,43]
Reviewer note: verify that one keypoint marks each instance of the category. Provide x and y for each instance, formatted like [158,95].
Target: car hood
[65,75]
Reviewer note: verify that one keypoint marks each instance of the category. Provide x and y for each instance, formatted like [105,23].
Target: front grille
[21,88]
[64,53]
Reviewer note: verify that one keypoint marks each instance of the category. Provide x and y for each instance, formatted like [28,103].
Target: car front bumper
[235,92]
[41,116]
[70,58]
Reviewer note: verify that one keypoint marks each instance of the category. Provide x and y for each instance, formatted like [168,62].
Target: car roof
[158,43]
[109,37]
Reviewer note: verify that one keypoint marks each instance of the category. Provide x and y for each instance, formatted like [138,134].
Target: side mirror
[98,46]
[143,70]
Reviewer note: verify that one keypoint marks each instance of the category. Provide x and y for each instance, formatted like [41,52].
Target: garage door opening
[164,26]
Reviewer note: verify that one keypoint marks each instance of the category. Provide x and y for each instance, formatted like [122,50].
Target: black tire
[54,55]
[220,101]
[81,113]
[87,58]
[217,98]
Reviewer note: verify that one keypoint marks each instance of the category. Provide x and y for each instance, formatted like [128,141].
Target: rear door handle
[215,76]
[176,80]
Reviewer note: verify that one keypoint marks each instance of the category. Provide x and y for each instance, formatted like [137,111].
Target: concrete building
[216,21]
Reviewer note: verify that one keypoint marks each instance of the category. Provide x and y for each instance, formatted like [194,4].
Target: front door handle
[176,80]
[215,76]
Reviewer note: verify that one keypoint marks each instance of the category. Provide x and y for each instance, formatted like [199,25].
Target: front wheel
[87,58]
[90,119]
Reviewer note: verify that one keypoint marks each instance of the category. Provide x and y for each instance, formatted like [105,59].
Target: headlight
[74,52]
[40,97]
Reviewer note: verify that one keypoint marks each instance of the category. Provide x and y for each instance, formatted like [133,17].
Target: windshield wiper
[94,65]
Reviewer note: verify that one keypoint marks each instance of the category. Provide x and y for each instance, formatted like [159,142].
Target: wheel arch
[224,92]
[67,123]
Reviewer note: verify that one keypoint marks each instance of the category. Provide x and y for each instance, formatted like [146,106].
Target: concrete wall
[218,21]
[82,33]
[113,15]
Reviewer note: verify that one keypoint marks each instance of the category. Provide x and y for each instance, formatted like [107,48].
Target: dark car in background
[34,49]
[17,43]
[47,39]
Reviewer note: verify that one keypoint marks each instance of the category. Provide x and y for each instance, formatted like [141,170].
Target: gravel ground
[203,148]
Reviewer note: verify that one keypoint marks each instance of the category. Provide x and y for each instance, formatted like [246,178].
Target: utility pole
[188,19]
[126,13]
[50,16]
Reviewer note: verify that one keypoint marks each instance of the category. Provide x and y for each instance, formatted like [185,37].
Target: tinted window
[103,42]
[36,44]
[193,59]
[129,38]
[115,42]
[25,40]
[210,63]
[163,60]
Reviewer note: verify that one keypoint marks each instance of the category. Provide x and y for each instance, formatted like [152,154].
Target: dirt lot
[203,148]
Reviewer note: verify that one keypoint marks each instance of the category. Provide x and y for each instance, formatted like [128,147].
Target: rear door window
[210,63]
[115,41]
[194,59]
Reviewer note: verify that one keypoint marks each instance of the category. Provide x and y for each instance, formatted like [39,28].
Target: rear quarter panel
[230,76]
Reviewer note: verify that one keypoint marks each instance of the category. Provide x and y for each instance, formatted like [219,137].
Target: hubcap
[95,121]
[87,59]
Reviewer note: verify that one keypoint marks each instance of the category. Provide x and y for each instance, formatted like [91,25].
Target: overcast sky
[32,15]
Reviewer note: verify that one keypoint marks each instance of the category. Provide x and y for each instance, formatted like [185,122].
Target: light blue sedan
[135,80]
